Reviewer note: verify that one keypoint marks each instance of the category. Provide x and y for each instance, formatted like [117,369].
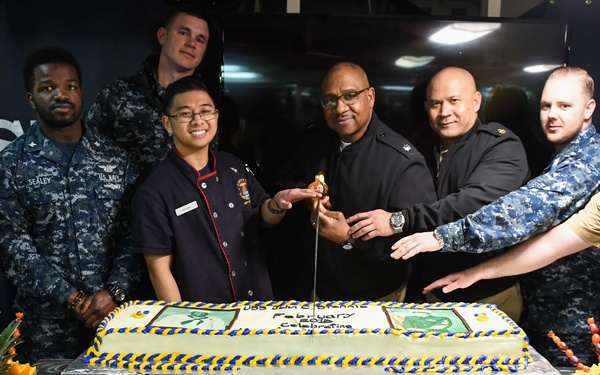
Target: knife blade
[314,291]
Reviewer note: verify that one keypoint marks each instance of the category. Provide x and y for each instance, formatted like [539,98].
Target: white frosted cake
[441,337]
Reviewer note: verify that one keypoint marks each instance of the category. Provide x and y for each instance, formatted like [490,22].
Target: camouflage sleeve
[125,271]
[100,116]
[544,202]
[21,261]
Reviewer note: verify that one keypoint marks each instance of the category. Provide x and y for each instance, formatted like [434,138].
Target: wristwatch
[397,222]
[116,293]
[349,244]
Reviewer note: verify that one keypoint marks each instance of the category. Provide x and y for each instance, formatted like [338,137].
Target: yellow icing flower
[140,314]
[482,317]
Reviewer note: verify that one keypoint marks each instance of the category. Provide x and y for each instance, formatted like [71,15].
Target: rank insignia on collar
[32,144]
[234,170]
[407,147]
[501,131]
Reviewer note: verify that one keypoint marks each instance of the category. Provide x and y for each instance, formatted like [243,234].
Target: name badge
[186,208]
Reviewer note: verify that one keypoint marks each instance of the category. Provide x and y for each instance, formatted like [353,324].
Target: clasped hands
[90,310]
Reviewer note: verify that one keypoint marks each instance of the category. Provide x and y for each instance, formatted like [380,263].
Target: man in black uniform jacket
[472,164]
[366,166]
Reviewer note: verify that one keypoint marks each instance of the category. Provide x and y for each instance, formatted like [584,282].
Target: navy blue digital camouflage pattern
[565,186]
[129,110]
[561,296]
[64,225]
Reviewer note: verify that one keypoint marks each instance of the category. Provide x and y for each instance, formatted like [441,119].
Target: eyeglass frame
[338,98]
[214,115]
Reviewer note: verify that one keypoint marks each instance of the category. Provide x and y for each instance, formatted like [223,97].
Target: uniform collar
[187,169]
[580,142]
[36,142]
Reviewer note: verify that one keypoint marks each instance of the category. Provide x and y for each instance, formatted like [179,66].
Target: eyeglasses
[349,98]
[187,117]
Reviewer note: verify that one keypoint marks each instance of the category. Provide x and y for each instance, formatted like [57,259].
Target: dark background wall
[110,38]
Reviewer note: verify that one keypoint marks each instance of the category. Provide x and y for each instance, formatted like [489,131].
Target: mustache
[62,103]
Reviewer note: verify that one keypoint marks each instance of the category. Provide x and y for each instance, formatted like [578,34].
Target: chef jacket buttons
[231,205]
[225,244]
[215,215]
[250,293]
[233,273]
[203,185]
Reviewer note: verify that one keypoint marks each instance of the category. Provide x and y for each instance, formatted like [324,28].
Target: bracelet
[277,210]
[76,301]
[439,238]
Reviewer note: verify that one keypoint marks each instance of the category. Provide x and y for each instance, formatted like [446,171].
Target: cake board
[539,366]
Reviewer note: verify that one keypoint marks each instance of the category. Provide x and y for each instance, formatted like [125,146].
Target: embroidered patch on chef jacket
[242,186]
[186,208]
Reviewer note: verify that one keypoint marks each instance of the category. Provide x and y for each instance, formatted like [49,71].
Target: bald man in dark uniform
[472,164]
[366,165]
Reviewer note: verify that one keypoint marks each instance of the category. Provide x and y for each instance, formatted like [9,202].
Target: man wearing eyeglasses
[472,164]
[194,217]
[366,166]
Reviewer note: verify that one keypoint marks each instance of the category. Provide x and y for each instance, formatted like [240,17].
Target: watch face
[117,294]
[120,296]
[347,246]
[395,219]
[397,222]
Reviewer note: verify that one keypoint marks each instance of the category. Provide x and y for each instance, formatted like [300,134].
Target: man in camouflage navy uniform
[129,110]
[561,296]
[65,237]
[578,233]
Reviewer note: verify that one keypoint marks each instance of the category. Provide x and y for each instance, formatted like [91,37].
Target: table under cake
[540,366]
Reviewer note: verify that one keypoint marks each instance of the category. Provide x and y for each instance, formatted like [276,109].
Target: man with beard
[65,241]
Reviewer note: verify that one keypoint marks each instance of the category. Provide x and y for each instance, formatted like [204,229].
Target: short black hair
[186,8]
[47,55]
[185,84]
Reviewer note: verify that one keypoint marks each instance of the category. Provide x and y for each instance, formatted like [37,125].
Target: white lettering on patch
[38,181]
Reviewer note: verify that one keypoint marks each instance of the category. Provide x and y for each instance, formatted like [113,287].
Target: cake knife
[314,291]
